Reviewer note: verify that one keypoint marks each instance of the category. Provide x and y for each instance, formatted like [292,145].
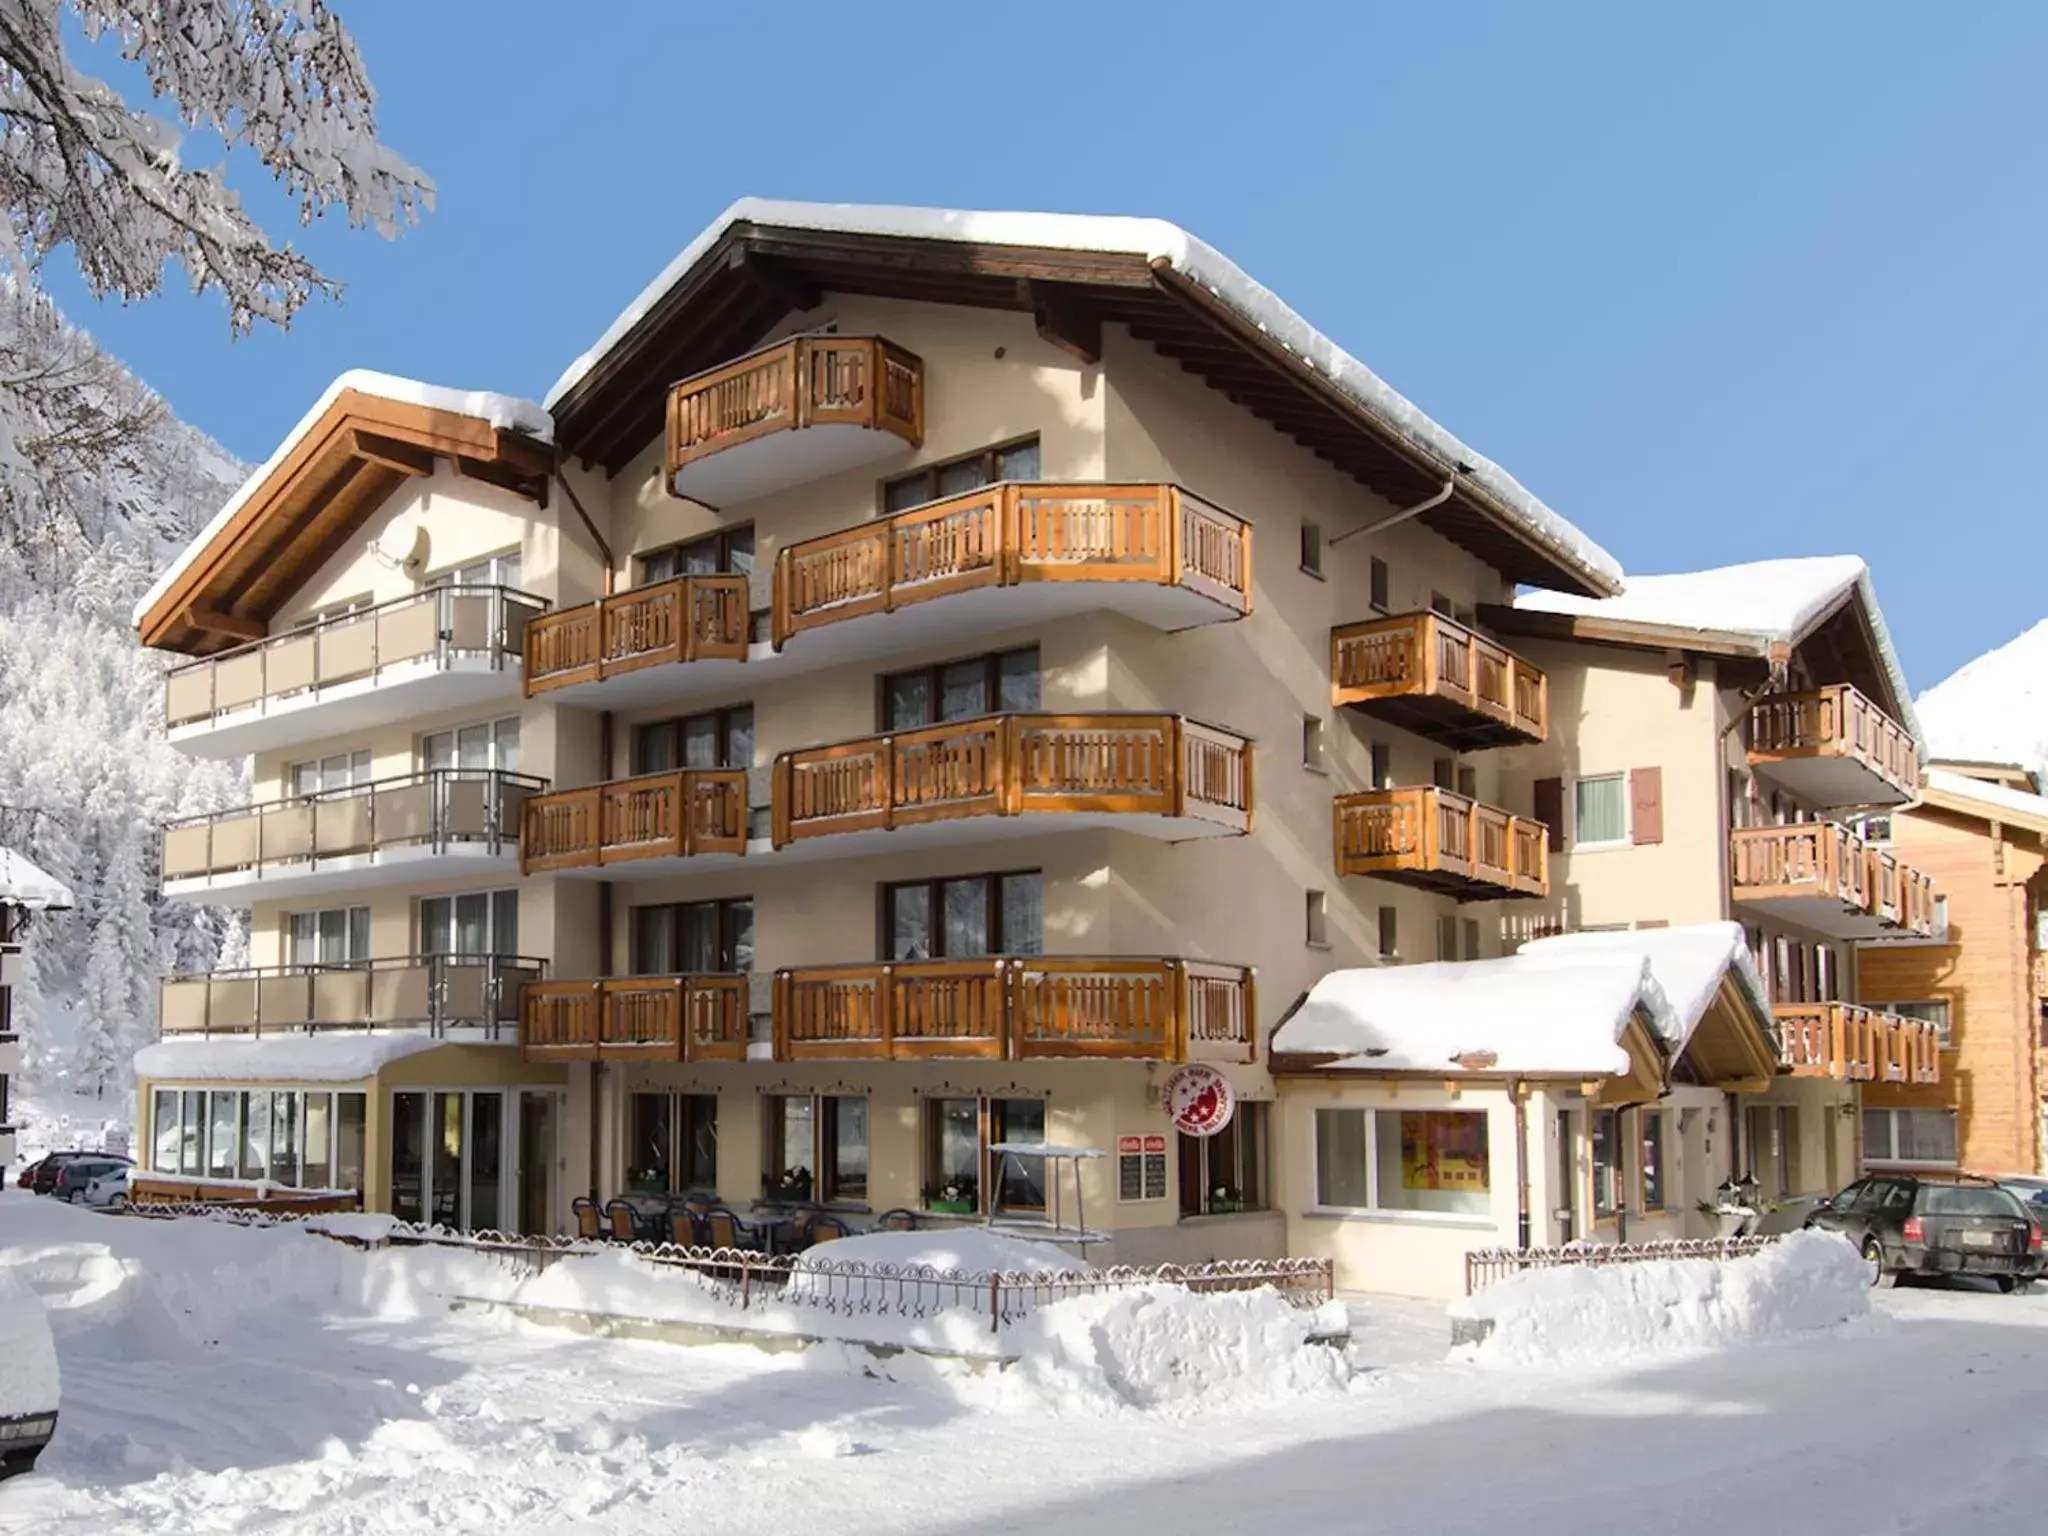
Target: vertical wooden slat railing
[667,1018]
[804,381]
[1426,657]
[685,619]
[1427,830]
[676,814]
[1835,721]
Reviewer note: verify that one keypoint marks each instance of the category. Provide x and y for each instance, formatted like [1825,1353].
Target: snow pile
[1521,1013]
[1689,962]
[969,1250]
[28,1358]
[1993,709]
[1163,1346]
[1590,1312]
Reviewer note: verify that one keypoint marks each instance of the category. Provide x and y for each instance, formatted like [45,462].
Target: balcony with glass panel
[470,995]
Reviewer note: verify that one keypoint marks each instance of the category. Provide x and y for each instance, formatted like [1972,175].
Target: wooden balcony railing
[692,618]
[1019,1008]
[1856,1044]
[1012,765]
[807,381]
[1821,861]
[431,992]
[1430,675]
[661,1018]
[655,816]
[1008,534]
[435,810]
[1836,723]
[432,626]
[1440,841]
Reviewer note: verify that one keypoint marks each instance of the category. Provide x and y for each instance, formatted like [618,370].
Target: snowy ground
[185,1413]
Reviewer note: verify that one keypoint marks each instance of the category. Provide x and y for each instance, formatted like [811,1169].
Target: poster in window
[1443,1151]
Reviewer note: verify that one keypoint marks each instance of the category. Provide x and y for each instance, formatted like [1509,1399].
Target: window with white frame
[1600,809]
[1410,1161]
[1926,1136]
[476,924]
[330,936]
[337,770]
[488,744]
[499,570]
[306,1139]
[1934,1011]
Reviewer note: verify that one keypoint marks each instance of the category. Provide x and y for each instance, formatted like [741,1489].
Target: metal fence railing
[1486,1266]
[744,1278]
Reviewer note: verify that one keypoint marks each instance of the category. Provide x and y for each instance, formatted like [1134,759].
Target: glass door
[536,1171]
[1568,1178]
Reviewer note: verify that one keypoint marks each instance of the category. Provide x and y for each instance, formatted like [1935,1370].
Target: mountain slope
[1993,709]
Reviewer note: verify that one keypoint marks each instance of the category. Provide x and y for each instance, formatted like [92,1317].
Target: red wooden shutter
[1646,805]
[1549,795]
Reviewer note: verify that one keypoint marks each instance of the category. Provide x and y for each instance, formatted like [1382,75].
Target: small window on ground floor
[817,1147]
[1605,1130]
[1650,1160]
[674,1145]
[961,1173]
[1910,1136]
[1226,1172]
[1404,1160]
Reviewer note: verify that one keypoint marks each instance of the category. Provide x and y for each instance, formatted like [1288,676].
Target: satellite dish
[415,559]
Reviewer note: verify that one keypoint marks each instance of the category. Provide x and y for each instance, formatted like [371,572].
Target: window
[963,918]
[1935,1012]
[674,1142]
[1317,925]
[500,570]
[1379,584]
[1312,548]
[959,1168]
[717,738]
[1909,1136]
[1226,1172]
[1430,1161]
[332,936]
[1468,783]
[448,1161]
[335,610]
[1443,773]
[1606,1150]
[693,938]
[728,553]
[338,770]
[1005,681]
[817,1147]
[1470,947]
[490,744]
[1312,745]
[305,1140]
[956,477]
[476,924]
[1650,1160]
[1790,1180]
[1447,938]
[1440,604]
[1390,933]
[1382,765]
[1600,809]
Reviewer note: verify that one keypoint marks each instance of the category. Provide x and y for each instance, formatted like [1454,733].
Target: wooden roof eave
[1734,1046]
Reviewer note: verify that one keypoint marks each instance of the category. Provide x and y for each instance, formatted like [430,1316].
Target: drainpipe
[1402,516]
[1520,1090]
[603,548]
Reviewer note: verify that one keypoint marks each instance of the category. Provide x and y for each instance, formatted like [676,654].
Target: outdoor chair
[685,1228]
[624,1223]
[722,1229]
[819,1228]
[898,1220]
[588,1227]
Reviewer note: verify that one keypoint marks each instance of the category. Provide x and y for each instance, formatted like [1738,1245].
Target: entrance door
[536,1196]
[1567,1176]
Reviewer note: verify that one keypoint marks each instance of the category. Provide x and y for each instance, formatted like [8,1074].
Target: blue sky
[1718,283]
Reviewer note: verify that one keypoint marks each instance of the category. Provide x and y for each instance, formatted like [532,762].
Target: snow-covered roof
[1561,1015]
[506,413]
[1689,963]
[331,1056]
[1156,241]
[1993,709]
[1996,802]
[1766,601]
[24,884]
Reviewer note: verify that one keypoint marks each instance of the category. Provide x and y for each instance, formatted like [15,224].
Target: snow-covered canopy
[506,413]
[1689,962]
[1558,1015]
[1993,709]
[23,884]
[1770,602]
[1160,243]
[331,1056]
[1994,802]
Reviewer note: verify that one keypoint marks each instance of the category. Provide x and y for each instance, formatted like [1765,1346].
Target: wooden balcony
[1444,842]
[1014,553]
[440,649]
[430,992]
[1822,876]
[1832,746]
[616,639]
[1856,1044]
[690,813]
[440,824]
[644,1018]
[790,413]
[1018,1008]
[1159,775]
[1426,674]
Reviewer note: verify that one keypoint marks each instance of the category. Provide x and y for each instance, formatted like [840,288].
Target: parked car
[41,1175]
[2030,1192]
[28,1377]
[76,1178]
[1922,1224]
[108,1191]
